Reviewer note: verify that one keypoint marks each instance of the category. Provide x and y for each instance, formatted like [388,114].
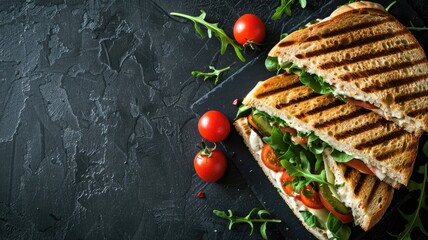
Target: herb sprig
[285,7]
[248,219]
[215,73]
[212,28]
[414,219]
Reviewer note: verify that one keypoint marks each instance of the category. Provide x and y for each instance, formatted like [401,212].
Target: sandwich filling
[295,161]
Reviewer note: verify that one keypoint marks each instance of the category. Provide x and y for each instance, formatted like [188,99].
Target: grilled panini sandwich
[366,197]
[385,148]
[362,53]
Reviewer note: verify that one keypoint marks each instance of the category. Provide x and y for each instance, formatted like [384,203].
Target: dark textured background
[96,135]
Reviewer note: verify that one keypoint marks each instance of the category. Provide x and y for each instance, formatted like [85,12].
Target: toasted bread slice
[388,150]
[367,55]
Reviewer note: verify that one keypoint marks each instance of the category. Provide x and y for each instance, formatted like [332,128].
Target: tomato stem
[206,151]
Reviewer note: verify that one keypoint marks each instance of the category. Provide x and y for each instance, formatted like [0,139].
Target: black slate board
[244,79]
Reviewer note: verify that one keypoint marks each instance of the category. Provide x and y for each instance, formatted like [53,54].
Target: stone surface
[96,135]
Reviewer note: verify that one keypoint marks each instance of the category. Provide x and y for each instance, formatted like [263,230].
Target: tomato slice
[288,189]
[344,218]
[300,140]
[251,122]
[270,159]
[295,138]
[289,130]
[360,166]
[311,198]
[361,104]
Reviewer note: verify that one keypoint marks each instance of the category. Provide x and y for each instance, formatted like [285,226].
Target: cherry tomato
[311,198]
[270,159]
[214,126]
[360,166]
[210,167]
[249,29]
[288,189]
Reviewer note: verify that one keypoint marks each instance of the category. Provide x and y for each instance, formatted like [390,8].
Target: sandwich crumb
[235,102]
[200,194]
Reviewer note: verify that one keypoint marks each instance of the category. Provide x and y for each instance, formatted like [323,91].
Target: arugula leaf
[275,140]
[390,5]
[285,7]
[241,110]
[212,27]
[313,81]
[283,35]
[308,177]
[247,219]
[215,73]
[412,27]
[337,228]
[339,156]
[414,220]
[311,220]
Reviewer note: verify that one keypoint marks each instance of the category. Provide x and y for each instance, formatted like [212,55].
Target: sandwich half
[359,137]
[363,54]
[365,197]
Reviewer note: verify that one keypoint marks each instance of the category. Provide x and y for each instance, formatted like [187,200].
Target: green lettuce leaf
[339,156]
[337,228]
[311,220]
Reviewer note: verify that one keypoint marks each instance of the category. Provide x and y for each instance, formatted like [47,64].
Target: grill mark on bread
[348,171]
[380,70]
[342,118]
[347,29]
[361,129]
[360,183]
[393,83]
[356,43]
[326,107]
[298,100]
[373,191]
[369,55]
[278,90]
[411,96]
[417,112]
[393,152]
[380,140]
[286,43]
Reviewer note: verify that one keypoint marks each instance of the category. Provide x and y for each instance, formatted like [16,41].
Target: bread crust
[368,55]
[363,134]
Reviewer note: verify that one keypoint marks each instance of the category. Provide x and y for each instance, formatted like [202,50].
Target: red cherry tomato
[210,168]
[288,189]
[360,166]
[270,159]
[214,126]
[249,29]
[311,198]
